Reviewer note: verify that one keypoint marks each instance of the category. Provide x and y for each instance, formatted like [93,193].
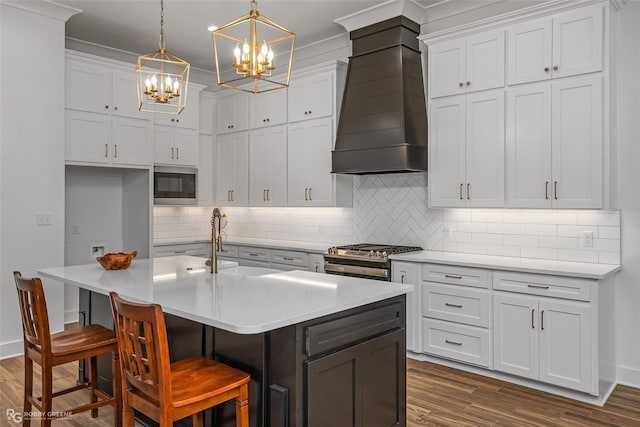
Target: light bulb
[270,55]
[147,83]
[236,51]
[245,47]
[260,58]
[264,49]
[167,81]
[176,85]
[154,80]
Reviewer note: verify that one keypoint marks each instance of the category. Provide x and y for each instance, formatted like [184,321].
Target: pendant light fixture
[162,79]
[245,53]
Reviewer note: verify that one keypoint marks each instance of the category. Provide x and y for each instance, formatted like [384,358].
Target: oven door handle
[355,269]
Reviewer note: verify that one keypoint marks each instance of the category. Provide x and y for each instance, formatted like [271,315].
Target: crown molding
[532,12]
[46,8]
[618,4]
[381,12]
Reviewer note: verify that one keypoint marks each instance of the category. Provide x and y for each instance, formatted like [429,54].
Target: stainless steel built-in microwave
[175,185]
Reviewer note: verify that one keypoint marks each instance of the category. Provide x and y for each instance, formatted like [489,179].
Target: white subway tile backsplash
[393,209]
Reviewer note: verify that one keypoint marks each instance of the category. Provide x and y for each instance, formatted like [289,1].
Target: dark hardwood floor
[437,396]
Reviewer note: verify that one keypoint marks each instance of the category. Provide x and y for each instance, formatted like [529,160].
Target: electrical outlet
[587,239]
[43,218]
[448,231]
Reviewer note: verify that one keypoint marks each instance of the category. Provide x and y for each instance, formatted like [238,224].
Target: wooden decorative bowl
[116,261]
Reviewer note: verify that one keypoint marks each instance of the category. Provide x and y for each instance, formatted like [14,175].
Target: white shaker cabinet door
[311,97]
[529,146]
[529,51]
[577,142]
[88,137]
[131,141]
[88,87]
[232,169]
[565,344]
[447,72]
[447,153]
[515,334]
[578,42]
[485,61]
[268,167]
[484,186]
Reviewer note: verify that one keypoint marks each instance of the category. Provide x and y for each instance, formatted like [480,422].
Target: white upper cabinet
[555,163]
[232,113]
[311,97]
[268,109]
[188,118]
[207,113]
[232,169]
[102,89]
[175,145]
[309,163]
[268,167]
[467,150]
[567,44]
[467,65]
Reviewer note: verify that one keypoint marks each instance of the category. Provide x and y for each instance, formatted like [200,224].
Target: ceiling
[134,26]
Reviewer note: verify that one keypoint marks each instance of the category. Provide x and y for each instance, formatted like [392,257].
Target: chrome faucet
[216,239]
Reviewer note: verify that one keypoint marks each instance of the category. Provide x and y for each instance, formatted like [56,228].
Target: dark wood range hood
[383,121]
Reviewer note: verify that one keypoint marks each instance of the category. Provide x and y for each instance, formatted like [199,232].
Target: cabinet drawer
[194,249]
[458,342]
[540,284]
[299,259]
[465,276]
[228,251]
[323,337]
[457,304]
[257,254]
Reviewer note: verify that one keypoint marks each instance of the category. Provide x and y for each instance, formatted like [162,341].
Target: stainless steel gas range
[366,260]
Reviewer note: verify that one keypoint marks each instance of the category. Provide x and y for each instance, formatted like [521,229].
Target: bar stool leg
[198,419]
[47,394]
[93,380]
[117,389]
[242,407]
[28,390]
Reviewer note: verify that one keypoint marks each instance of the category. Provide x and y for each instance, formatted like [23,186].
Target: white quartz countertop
[244,300]
[310,247]
[525,265]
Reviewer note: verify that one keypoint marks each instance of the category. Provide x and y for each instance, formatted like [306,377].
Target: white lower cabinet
[316,263]
[410,273]
[459,342]
[544,338]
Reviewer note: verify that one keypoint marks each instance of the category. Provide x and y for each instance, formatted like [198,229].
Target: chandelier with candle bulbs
[245,53]
[162,78]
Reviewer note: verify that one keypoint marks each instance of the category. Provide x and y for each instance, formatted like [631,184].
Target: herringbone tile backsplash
[393,209]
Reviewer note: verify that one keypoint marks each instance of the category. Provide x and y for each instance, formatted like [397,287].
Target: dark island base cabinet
[345,369]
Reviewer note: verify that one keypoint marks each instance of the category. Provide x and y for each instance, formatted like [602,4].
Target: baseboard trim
[628,376]
[11,349]
[71,316]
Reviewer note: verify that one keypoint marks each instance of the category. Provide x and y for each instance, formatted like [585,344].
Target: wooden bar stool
[49,350]
[166,391]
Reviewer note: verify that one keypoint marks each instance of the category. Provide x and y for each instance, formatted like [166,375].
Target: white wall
[628,195]
[31,156]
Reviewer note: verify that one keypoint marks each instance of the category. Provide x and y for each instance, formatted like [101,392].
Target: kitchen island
[322,350]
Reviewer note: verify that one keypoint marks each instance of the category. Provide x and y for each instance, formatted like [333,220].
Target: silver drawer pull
[448,304]
[253,254]
[453,342]
[287,258]
[180,252]
[539,286]
[452,276]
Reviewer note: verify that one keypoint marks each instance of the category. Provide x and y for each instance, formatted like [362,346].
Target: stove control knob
[378,254]
[372,254]
[385,254]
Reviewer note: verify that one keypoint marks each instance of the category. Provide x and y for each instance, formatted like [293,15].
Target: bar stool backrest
[33,309]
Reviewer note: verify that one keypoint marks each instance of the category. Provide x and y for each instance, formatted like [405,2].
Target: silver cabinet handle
[268,195]
[228,195]
[317,268]
[264,195]
[453,305]
[468,191]
[177,153]
[310,198]
[542,320]
[180,252]
[538,286]
[306,194]
[461,187]
[106,150]
[232,195]
[172,153]
[286,258]
[533,310]
[251,254]
[115,150]
[453,342]
[555,190]
[546,190]
[452,276]
[402,279]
